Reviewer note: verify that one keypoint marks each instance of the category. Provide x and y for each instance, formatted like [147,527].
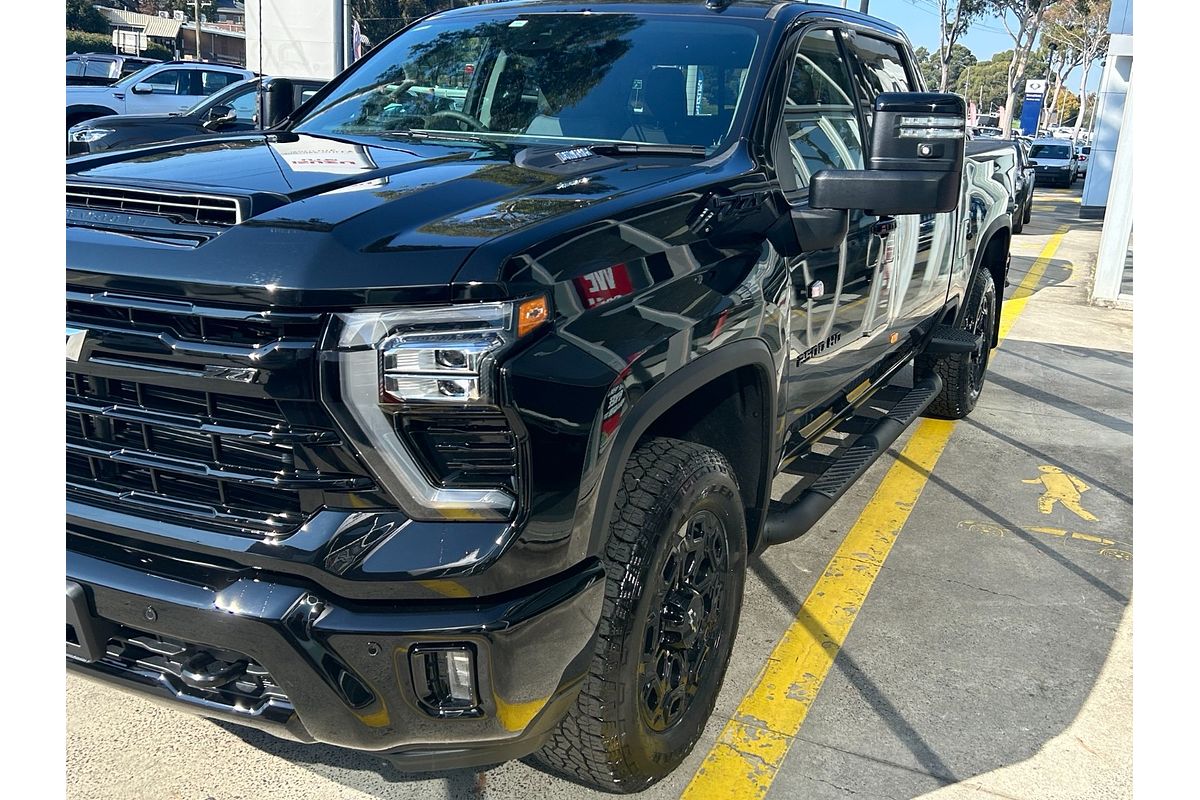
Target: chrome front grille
[202,209]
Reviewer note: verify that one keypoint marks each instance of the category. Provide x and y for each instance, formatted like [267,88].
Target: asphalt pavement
[957,626]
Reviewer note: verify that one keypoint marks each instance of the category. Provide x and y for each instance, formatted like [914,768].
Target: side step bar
[947,339]
[788,522]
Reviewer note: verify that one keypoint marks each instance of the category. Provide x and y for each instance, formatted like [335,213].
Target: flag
[356,41]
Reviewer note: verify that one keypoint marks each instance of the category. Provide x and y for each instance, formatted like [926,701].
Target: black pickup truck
[441,422]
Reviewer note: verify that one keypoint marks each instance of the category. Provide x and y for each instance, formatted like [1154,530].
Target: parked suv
[1054,161]
[441,422]
[157,89]
[234,109]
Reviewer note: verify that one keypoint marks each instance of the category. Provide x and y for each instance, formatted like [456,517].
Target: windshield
[560,77]
[221,98]
[1050,151]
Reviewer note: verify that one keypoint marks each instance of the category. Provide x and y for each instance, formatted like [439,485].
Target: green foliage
[83,16]
[986,82]
[379,19]
[931,68]
[86,42]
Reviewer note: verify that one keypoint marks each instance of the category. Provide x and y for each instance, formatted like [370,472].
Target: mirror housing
[806,230]
[278,101]
[918,147]
[143,88]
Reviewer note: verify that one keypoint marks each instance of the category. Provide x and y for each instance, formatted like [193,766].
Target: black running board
[788,522]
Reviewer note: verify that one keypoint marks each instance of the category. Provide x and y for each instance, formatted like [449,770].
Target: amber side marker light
[531,314]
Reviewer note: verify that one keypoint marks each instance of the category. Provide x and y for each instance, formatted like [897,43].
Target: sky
[987,36]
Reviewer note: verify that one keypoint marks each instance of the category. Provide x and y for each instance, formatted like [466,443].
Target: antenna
[262,100]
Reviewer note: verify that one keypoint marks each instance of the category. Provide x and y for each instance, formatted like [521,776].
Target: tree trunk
[1082,100]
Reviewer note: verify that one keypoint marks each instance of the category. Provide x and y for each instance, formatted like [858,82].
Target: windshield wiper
[647,149]
[441,136]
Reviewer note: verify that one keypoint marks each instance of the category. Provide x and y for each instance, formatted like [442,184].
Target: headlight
[417,359]
[87,135]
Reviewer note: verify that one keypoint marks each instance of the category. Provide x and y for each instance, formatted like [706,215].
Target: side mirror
[918,146]
[143,88]
[218,116]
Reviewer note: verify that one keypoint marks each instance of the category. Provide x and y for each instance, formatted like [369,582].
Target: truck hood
[334,221]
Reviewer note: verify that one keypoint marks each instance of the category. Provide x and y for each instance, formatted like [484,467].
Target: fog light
[444,679]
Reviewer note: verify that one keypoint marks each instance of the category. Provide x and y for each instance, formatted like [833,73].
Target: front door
[916,275]
[832,289]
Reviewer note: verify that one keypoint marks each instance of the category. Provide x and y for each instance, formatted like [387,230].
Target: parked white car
[157,89]
[1054,161]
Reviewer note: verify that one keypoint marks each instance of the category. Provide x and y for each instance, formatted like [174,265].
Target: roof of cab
[780,10]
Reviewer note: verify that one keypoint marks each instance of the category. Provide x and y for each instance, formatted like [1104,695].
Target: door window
[819,113]
[74,66]
[246,105]
[169,81]
[215,81]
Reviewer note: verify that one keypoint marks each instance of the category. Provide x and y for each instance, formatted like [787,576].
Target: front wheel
[963,373]
[675,559]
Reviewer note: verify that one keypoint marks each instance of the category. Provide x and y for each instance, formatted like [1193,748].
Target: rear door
[916,256]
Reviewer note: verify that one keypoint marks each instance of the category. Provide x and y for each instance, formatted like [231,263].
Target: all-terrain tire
[963,374]
[615,738]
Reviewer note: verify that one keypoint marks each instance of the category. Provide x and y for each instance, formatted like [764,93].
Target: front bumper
[338,672]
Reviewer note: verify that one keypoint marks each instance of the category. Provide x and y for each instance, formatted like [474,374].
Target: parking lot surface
[957,626]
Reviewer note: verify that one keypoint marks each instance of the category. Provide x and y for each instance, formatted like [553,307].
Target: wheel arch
[79,113]
[697,403]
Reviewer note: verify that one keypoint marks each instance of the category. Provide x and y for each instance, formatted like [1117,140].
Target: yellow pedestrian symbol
[1061,487]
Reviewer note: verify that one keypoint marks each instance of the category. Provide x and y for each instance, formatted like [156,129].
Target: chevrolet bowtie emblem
[75,340]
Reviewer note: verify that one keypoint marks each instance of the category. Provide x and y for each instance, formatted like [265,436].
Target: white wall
[300,38]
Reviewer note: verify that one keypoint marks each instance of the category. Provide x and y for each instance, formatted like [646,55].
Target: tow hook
[202,671]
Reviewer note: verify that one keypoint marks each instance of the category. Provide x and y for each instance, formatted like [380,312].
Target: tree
[1081,26]
[83,16]
[955,17]
[1023,20]
[986,82]
[931,67]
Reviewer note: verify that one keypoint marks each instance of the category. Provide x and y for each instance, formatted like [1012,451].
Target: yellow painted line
[753,744]
[1014,305]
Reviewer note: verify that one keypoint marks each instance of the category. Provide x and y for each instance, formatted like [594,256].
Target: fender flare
[98,111]
[1002,222]
[667,392]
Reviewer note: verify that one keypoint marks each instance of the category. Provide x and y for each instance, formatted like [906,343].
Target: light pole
[196,7]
